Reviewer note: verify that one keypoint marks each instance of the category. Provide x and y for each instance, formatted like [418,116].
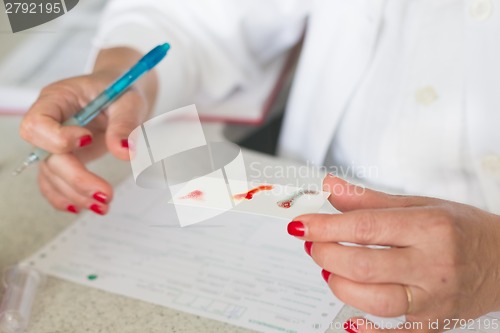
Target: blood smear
[194,195]
[249,195]
[287,203]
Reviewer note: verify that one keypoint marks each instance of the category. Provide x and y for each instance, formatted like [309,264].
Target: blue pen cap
[153,57]
[150,60]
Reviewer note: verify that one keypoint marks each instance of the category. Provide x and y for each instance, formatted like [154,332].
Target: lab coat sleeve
[217,46]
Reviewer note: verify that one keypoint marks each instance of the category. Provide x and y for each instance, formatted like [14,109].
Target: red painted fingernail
[85,140]
[296,228]
[307,246]
[101,197]
[326,275]
[72,209]
[125,143]
[96,209]
[350,327]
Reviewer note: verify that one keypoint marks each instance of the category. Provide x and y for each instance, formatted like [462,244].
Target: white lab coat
[222,47]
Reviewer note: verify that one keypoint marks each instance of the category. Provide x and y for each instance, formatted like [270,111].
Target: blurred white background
[8,40]
[55,50]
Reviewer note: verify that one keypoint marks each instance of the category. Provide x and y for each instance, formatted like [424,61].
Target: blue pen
[115,90]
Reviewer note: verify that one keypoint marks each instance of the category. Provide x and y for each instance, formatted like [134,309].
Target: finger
[346,197]
[385,300]
[68,192]
[123,117]
[365,265]
[85,183]
[390,227]
[42,125]
[54,197]
[351,325]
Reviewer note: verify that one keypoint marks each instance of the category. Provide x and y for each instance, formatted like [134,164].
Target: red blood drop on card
[195,195]
[285,204]
[249,195]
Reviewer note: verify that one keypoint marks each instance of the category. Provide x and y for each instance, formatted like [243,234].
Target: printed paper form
[241,269]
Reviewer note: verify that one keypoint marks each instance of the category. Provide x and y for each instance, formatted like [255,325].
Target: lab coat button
[491,164]
[426,96]
[481,10]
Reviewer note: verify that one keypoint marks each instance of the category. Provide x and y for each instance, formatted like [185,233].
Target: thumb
[128,112]
[42,125]
[347,197]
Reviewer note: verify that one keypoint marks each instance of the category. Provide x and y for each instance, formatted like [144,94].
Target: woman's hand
[443,257]
[63,178]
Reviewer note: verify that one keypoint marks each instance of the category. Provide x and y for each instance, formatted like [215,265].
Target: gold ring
[409,297]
